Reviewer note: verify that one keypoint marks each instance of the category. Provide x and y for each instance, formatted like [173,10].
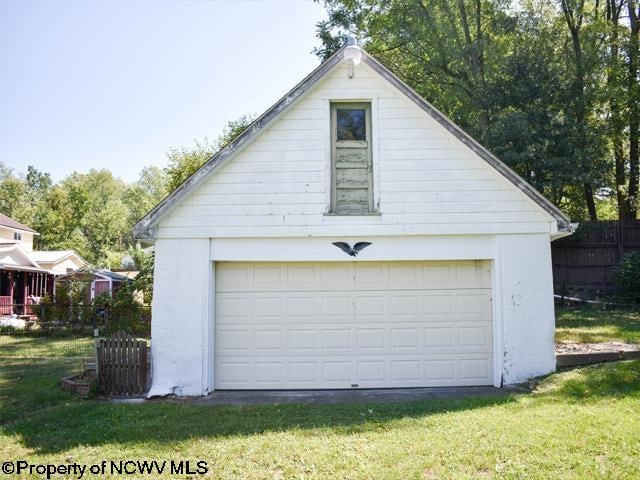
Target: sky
[97,84]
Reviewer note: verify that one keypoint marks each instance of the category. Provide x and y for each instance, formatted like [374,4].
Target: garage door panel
[354,339]
[369,306]
[362,276]
[269,373]
[405,338]
[335,325]
[373,338]
[337,372]
[476,369]
[303,373]
[369,275]
[265,276]
[310,306]
[233,374]
[347,372]
[233,340]
[406,371]
[268,340]
[335,277]
[307,340]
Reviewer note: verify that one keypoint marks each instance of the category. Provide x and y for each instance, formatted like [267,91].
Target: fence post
[43,316]
[620,240]
[96,339]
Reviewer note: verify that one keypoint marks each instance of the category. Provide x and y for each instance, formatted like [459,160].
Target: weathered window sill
[349,215]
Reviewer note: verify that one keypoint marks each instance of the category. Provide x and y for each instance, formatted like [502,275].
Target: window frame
[354,105]
[17,236]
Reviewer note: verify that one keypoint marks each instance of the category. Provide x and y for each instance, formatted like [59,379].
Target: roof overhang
[66,255]
[23,268]
[145,228]
[19,230]
[11,247]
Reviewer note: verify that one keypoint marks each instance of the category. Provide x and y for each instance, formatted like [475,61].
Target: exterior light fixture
[353,55]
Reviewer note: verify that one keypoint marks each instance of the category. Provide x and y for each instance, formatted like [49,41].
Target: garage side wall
[525,280]
[181,317]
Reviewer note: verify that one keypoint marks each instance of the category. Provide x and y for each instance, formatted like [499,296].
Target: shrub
[628,276]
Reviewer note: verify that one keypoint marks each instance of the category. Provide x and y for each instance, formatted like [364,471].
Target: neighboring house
[250,291]
[27,275]
[96,281]
[12,231]
[59,261]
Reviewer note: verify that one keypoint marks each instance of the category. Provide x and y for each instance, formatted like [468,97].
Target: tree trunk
[634,109]
[474,56]
[574,23]
[616,127]
[591,204]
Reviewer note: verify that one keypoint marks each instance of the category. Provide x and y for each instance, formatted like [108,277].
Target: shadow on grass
[68,422]
[43,417]
[93,424]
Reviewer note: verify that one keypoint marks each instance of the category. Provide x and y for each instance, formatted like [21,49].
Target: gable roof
[145,227]
[95,272]
[53,256]
[27,261]
[9,222]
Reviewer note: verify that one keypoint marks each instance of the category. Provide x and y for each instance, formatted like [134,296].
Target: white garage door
[352,325]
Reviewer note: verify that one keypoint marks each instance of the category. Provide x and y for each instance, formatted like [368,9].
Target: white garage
[351,237]
[352,325]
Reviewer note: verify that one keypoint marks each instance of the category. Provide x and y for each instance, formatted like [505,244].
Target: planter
[80,384]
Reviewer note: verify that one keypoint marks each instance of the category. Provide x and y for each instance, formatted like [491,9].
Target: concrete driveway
[271,397]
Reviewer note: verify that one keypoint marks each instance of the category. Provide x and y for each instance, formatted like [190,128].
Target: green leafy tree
[184,162]
[144,194]
[95,207]
[524,78]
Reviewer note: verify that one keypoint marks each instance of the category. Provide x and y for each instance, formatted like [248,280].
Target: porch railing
[5,306]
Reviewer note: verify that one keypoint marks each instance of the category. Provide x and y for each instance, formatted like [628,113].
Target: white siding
[183,304]
[425,180]
[26,243]
[62,266]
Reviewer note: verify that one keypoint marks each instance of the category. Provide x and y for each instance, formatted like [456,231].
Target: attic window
[351,183]
[351,124]
[17,236]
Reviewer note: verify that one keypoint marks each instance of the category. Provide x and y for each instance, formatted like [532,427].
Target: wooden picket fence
[122,364]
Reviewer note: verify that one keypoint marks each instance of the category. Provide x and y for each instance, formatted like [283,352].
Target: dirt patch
[605,347]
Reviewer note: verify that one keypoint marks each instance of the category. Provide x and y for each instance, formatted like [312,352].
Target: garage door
[352,325]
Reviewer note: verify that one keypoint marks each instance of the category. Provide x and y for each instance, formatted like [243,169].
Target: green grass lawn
[589,324]
[577,424]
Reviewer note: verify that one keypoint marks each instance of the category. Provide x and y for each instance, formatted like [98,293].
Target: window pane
[351,124]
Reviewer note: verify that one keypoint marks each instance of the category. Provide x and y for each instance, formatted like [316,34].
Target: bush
[628,276]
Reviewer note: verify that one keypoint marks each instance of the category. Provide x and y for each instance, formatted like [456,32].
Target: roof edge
[561,219]
[144,229]
[24,253]
[69,253]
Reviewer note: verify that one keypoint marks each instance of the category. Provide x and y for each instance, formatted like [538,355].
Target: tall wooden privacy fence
[122,365]
[588,259]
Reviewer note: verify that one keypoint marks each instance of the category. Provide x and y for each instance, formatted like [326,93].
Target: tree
[633,104]
[145,193]
[184,162]
[613,34]
[577,14]
[94,207]
[524,78]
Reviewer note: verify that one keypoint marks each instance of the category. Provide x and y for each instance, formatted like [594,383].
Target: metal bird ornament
[345,247]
